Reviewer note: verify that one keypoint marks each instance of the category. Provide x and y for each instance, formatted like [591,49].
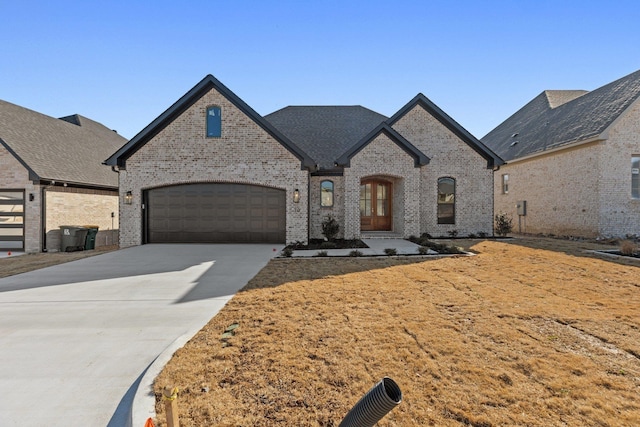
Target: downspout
[308,206]
[493,200]
[43,216]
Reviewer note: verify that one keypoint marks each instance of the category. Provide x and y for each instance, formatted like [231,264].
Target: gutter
[593,139]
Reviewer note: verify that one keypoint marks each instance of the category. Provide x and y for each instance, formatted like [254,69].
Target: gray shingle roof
[557,118]
[67,150]
[325,132]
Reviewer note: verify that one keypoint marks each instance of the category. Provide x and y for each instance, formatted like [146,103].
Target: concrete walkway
[376,247]
[77,338]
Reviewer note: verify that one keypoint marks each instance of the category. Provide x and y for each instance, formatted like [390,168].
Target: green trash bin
[90,241]
[72,238]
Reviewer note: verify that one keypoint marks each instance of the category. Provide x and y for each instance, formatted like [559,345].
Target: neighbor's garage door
[11,220]
[215,213]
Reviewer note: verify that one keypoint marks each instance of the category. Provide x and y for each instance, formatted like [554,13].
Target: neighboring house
[211,169]
[51,175]
[573,162]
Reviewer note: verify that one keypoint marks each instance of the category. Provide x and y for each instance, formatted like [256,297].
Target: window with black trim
[635,176]
[326,194]
[214,122]
[446,201]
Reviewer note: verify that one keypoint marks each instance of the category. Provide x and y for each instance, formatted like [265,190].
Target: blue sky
[123,63]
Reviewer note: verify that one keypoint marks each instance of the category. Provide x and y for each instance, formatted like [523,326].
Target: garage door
[11,220]
[215,213]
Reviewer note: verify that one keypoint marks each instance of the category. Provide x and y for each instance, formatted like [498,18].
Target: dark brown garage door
[215,213]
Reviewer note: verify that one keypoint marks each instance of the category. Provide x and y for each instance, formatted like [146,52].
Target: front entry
[375,205]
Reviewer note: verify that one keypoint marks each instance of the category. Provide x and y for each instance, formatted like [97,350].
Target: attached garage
[215,213]
[11,220]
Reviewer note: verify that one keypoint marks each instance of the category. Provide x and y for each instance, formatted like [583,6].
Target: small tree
[330,227]
[504,224]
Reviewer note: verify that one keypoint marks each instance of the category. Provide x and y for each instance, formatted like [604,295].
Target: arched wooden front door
[375,205]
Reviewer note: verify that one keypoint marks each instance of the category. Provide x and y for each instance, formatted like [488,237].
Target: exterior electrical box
[521,206]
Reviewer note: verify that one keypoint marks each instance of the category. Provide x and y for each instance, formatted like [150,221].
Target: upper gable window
[446,201]
[635,177]
[326,194]
[214,122]
[505,183]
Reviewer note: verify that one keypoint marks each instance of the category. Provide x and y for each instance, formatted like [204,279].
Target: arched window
[446,201]
[326,194]
[214,122]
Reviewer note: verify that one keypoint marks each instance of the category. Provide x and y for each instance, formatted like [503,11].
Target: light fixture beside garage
[296,196]
[128,198]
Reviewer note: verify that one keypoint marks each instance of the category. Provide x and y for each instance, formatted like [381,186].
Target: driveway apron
[74,338]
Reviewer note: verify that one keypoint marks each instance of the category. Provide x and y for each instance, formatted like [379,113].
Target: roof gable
[383,128]
[59,149]
[120,157]
[424,102]
[542,125]
[325,132]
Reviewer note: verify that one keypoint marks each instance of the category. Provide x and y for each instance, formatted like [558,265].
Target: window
[446,201]
[326,194]
[505,183]
[214,122]
[635,177]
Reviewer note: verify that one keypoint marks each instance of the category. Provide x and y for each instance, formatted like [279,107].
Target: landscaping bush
[504,224]
[482,234]
[330,227]
[628,248]
[453,233]
[355,253]
[287,252]
[321,254]
[423,250]
[390,251]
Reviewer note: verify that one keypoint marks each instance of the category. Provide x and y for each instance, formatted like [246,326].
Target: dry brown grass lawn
[512,336]
[23,263]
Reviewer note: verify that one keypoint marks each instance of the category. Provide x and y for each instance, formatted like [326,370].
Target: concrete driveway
[75,339]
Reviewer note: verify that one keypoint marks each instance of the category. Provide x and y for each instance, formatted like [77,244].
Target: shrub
[321,253]
[390,251]
[355,253]
[504,224]
[426,236]
[287,252]
[472,235]
[453,233]
[628,248]
[482,234]
[423,250]
[330,227]
[454,250]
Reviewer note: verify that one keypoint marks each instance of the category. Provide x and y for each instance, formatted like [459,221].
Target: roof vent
[513,143]
[514,135]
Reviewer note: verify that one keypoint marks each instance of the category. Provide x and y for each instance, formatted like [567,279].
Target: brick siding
[76,206]
[450,157]
[383,158]
[582,191]
[181,154]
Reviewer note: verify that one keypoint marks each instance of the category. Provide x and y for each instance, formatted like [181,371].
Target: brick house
[211,169]
[573,161]
[51,175]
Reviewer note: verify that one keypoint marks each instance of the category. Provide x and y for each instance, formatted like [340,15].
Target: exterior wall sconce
[32,197]
[128,198]
[296,196]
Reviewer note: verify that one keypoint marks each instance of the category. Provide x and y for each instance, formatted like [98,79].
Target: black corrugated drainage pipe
[374,405]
